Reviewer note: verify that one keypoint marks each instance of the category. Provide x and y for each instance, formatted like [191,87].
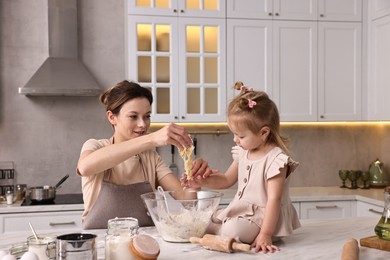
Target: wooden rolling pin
[219,243]
[350,250]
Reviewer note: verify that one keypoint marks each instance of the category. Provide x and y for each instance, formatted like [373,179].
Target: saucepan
[45,193]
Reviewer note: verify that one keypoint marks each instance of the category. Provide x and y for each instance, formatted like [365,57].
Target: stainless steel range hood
[62,73]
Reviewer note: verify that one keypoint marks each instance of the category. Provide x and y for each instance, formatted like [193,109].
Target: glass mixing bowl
[179,215]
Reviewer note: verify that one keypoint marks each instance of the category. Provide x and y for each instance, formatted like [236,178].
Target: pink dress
[246,211]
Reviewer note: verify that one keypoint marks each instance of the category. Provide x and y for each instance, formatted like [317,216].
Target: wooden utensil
[219,243]
[350,250]
[375,242]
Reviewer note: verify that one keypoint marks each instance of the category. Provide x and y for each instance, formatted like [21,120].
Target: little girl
[261,211]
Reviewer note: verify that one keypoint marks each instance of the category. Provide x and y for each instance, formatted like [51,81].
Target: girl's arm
[214,181]
[275,185]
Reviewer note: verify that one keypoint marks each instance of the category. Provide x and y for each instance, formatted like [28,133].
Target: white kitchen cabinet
[378,8]
[325,209]
[182,60]
[340,10]
[295,70]
[378,69]
[249,54]
[364,209]
[272,9]
[186,8]
[41,221]
[339,71]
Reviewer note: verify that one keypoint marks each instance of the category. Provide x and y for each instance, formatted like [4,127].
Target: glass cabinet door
[152,61]
[202,89]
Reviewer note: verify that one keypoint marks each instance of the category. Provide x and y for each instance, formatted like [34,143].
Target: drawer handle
[326,207]
[52,224]
[375,211]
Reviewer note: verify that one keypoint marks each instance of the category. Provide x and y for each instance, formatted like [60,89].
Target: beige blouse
[127,172]
[251,197]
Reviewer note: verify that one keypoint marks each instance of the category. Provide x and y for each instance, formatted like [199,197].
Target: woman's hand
[264,243]
[172,134]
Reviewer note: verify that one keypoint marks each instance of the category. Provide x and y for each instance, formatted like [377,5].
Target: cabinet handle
[270,14]
[181,11]
[375,211]
[52,224]
[321,116]
[322,15]
[276,14]
[326,207]
[183,117]
[176,117]
[175,10]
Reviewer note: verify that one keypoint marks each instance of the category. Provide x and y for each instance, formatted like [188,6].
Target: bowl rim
[217,195]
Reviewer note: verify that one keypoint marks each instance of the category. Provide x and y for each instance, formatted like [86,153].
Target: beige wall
[43,136]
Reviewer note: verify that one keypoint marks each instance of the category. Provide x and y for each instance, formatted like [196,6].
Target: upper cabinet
[379,64]
[310,67]
[184,8]
[180,56]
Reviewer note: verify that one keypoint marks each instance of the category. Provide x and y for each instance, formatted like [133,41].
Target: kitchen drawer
[42,221]
[325,209]
[365,209]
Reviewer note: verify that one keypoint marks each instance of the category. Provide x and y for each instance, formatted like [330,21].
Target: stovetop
[72,198]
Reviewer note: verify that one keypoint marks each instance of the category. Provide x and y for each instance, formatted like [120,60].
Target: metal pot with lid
[45,193]
[378,176]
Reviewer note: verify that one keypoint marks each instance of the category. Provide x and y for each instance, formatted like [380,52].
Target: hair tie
[251,103]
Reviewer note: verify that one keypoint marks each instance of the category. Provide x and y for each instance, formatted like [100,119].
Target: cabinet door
[189,8]
[339,71]
[255,9]
[295,10]
[325,209]
[202,70]
[249,54]
[379,64]
[367,209]
[336,10]
[294,70]
[152,51]
[43,222]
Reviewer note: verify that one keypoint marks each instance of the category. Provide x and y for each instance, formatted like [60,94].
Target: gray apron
[119,201]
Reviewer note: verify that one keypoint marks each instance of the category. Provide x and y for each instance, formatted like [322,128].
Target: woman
[116,171]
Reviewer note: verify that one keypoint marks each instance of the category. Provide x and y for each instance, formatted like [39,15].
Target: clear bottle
[120,232]
[382,229]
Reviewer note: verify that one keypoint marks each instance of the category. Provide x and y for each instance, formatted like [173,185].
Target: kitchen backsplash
[43,136]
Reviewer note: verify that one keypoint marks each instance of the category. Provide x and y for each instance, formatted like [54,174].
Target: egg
[3,253]
[29,256]
[8,257]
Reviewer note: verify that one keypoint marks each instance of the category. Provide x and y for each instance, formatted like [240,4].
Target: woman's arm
[93,162]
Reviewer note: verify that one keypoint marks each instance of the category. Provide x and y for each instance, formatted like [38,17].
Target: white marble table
[316,239]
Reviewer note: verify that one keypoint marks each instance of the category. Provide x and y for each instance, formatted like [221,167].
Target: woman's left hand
[264,243]
[200,169]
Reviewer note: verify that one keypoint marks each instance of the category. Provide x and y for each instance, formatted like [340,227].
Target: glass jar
[120,231]
[44,247]
[382,229]
[20,191]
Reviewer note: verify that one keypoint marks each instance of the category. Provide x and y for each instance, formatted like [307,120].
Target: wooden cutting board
[375,242]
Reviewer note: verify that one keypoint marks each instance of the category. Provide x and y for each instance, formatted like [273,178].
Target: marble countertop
[316,239]
[373,195]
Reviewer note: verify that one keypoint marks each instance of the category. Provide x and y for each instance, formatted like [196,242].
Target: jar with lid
[20,191]
[44,247]
[120,231]
[382,229]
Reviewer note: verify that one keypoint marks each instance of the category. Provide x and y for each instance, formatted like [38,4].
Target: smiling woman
[116,171]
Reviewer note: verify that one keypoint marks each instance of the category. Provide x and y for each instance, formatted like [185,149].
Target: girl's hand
[264,243]
[190,184]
